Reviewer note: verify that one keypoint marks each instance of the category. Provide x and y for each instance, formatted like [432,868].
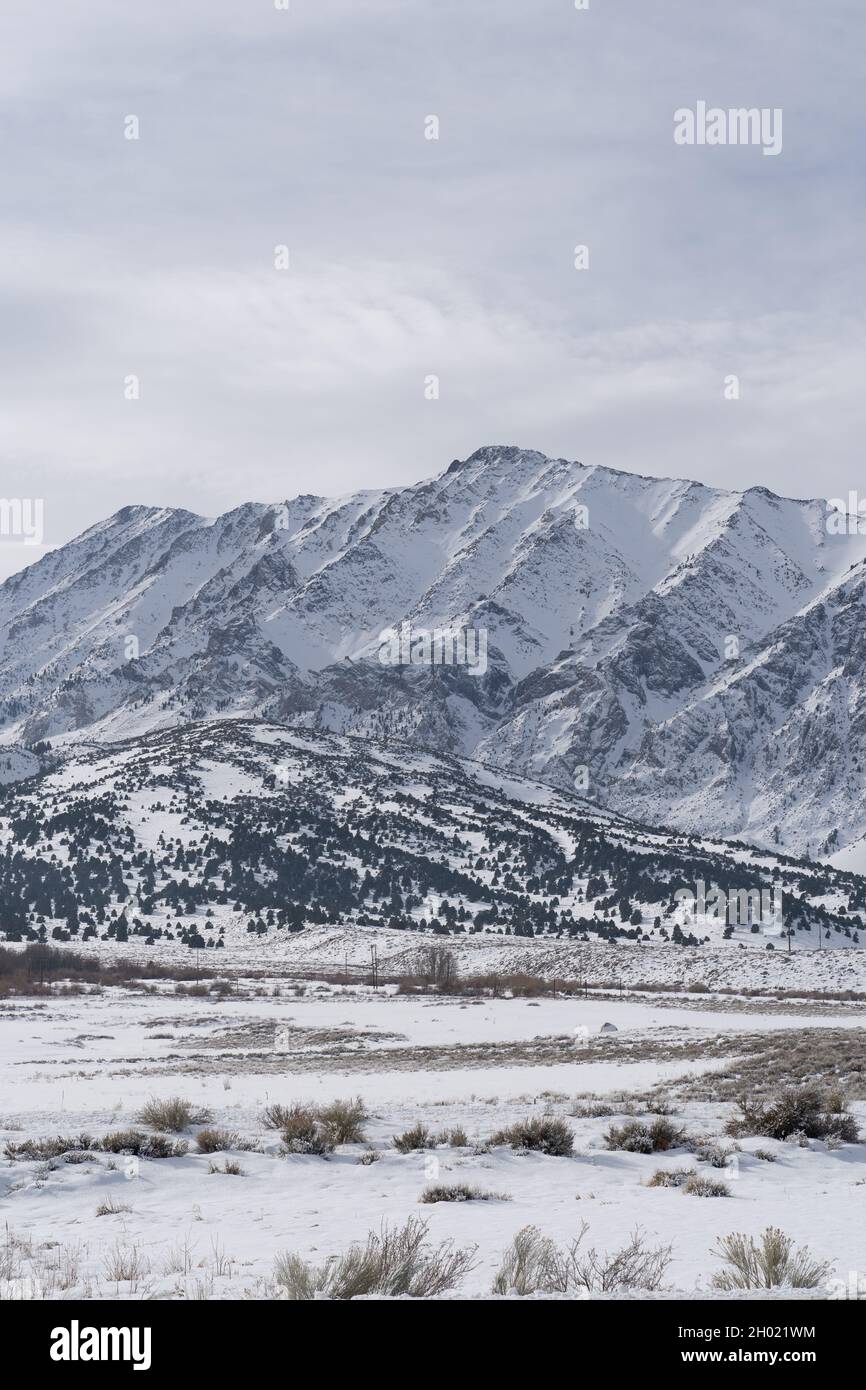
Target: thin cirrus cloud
[411,257]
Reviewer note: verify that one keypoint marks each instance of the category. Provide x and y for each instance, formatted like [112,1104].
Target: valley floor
[88,1061]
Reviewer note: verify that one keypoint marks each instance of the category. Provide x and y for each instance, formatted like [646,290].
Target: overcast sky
[410,257]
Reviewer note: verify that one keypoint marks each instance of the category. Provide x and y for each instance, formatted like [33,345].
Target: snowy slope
[192,836]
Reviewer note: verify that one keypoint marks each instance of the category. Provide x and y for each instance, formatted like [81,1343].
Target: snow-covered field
[87,1062]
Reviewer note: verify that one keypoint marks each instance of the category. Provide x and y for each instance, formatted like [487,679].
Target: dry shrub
[31,970]
[214,1141]
[132,1141]
[339,1122]
[418,1137]
[303,1132]
[344,1120]
[534,1263]
[396,1261]
[641,1138]
[542,1134]
[172,1116]
[276,1116]
[796,1110]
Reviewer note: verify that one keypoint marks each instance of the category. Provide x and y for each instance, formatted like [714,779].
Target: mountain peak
[490,454]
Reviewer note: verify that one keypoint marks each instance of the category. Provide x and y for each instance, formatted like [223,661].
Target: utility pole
[374,959]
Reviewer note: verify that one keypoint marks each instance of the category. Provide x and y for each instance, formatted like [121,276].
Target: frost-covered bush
[717,1155]
[671,1177]
[460,1192]
[534,1263]
[700,1186]
[769,1264]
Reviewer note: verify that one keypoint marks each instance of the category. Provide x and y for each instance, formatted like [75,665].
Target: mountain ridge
[653,638]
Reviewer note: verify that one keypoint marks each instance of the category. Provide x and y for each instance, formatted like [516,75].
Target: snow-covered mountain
[195,834]
[682,654]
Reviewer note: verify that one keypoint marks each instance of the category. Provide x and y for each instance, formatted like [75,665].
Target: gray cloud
[410,257]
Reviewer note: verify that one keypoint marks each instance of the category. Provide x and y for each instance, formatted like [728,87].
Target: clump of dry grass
[764,1064]
[230,1166]
[132,1141]
[593,1110]
[125,1263]
[456,1138]
[700,1186]
[112,1208]
[396,1261]
[54,1146]
[772,1263]
[460,1192]
[541,1134]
